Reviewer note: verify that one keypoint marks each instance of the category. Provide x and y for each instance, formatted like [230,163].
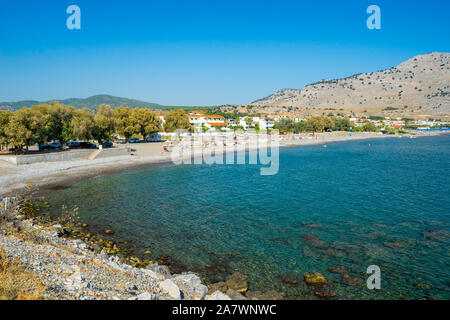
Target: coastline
[151,284]
[43,178]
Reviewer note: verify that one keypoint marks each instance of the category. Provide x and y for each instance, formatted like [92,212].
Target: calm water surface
[364,204]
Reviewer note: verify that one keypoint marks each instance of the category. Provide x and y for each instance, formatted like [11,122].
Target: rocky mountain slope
[421,83]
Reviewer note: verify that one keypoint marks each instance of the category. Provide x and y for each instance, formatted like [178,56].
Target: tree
[285,124]
[82,124]
[56,120]
[176,119]
[257,128]
[20,129]
[103,128]
[320,123]
[144,122]
[343,124]
[5,116]
[300,126]
[122,122]
[369,127]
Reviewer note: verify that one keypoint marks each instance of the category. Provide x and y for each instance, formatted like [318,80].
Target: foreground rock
[191,286]
[234,295]
[217,296]
[218,286]
[171,288]
[71,269]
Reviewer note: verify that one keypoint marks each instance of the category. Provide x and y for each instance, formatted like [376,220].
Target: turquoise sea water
[364,204]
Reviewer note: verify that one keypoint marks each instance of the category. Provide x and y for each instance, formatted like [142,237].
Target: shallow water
[366,205]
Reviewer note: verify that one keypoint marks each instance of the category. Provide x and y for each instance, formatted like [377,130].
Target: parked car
[107,144]
[43,147]
[87,145]
[73,145]
[134,140]
[50,146]
[121,141]
[56,145]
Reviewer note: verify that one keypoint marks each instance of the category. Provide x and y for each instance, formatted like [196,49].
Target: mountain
[420,85]
[91,103]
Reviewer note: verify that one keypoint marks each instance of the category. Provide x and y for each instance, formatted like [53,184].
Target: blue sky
[204,52]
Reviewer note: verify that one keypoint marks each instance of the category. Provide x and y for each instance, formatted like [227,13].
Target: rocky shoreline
[73,269]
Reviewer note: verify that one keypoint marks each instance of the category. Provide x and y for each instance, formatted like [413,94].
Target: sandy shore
[51,176]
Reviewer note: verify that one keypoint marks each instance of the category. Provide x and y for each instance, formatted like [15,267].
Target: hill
[420,85]
[91,103]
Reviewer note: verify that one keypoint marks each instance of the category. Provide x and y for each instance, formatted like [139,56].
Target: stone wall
[62,156]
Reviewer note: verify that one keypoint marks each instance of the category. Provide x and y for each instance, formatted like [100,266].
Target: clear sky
[204,52]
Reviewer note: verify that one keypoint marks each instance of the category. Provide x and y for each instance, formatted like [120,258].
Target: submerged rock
[337,269]
[289,279]
[268,295]
[423,286]
[395,245]
[325,294]
[237,282]
[314,242]
[312,225]
[437,235]
[315,279]
[352,281]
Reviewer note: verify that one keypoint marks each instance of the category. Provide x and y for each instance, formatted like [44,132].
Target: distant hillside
[420,85]
[92,103]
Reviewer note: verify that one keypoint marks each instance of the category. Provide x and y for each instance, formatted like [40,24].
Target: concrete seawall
[62,156]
